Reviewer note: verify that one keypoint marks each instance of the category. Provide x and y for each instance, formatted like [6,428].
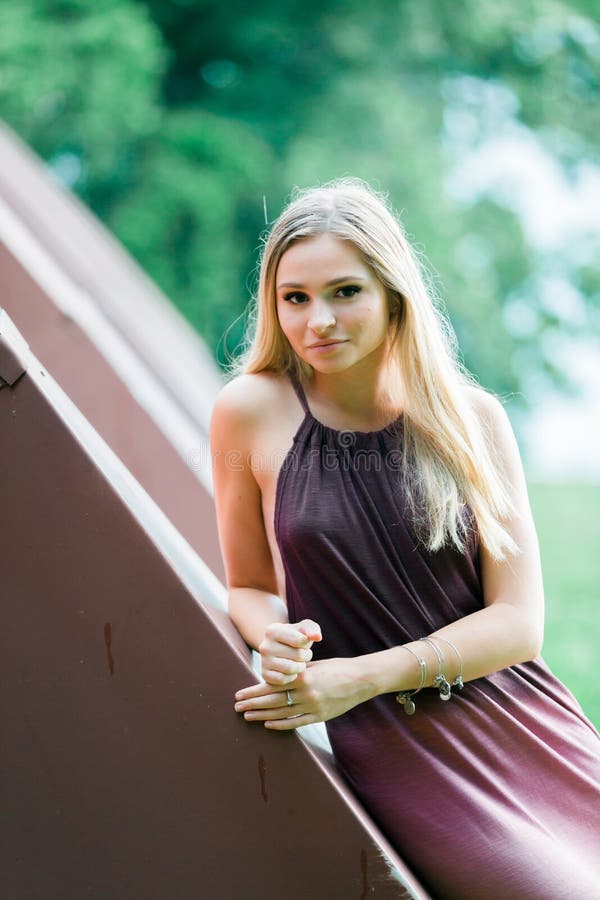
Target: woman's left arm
[510,627]
[507,631]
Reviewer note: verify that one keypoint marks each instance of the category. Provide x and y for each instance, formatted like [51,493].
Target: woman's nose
[321,317]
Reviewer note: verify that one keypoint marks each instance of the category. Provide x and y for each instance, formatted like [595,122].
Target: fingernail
[238,707]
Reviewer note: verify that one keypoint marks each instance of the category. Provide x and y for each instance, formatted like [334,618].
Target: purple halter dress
[493,795]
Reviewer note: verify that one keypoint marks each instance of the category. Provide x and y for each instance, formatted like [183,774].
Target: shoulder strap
[300,394]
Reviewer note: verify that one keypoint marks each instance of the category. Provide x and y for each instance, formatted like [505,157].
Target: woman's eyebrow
[293,284]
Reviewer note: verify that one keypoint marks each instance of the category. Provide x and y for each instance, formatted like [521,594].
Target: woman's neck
[355,396]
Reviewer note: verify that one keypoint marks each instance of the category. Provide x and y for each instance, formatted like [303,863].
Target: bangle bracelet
[440,681]
[458,681]
[405,698]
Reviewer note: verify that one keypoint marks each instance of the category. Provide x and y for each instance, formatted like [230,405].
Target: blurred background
[184,124]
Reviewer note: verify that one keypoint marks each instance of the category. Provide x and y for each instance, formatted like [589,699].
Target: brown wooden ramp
[126,774]
[112,340]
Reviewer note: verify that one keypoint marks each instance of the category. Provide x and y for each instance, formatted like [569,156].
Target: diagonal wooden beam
[127,773]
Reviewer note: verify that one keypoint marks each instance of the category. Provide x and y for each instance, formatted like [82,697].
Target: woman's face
[331,307]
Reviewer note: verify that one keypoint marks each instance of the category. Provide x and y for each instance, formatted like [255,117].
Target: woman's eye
[295,297]
[349,290]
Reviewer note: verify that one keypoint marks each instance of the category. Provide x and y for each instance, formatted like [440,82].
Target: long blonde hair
[448,458]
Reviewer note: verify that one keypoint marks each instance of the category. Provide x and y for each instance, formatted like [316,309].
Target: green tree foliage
[193,215]
[178,117]
[80,81]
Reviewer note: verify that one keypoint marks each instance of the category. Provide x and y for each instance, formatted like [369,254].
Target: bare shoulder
[485,404]
[497,426]
[249,402]
[492,415]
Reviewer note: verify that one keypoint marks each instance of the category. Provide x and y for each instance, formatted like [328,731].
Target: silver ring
[290,701]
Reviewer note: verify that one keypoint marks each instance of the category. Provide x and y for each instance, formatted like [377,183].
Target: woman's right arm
[256,608]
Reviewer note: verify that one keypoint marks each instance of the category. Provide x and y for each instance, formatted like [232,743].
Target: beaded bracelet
[458,681]
[440,681]
[405,698]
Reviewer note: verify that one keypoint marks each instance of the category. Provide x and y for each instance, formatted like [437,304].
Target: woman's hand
[285,650]
[326,689]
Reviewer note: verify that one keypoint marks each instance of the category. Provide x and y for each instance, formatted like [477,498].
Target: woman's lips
[326,346]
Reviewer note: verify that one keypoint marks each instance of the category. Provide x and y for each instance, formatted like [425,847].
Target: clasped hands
[319,690]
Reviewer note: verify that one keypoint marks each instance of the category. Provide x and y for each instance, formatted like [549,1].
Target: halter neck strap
[301,395]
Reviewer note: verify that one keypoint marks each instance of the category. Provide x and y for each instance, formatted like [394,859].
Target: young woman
[380,553]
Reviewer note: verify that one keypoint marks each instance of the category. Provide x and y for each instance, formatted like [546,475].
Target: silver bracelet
[458,681]
[405,698]
[440,681]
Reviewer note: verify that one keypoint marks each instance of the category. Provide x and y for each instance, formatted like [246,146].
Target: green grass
[567,517]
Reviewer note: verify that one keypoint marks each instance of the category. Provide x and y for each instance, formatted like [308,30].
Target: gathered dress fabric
[492,795]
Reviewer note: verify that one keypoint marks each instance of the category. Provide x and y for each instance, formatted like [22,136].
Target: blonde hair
[448,460]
